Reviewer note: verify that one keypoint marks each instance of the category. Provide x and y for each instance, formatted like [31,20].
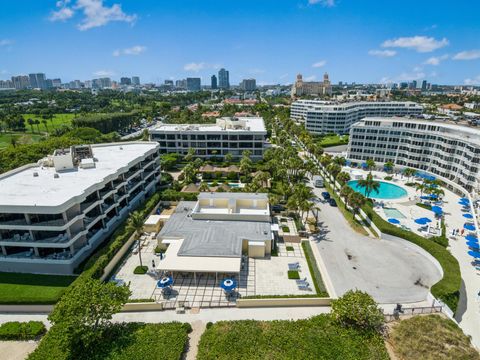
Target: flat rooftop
[20,188]
[211,238]
[250,124]
[173,261]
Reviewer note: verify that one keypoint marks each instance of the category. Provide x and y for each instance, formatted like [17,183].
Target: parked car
[332,202]
[278,208]
[326,195]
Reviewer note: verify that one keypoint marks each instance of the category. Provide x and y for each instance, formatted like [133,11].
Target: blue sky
[270,40]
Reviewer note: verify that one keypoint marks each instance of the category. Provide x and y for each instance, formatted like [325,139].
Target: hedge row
[172,195]
[314,271]
[106,123]
[22,330]
[448,288]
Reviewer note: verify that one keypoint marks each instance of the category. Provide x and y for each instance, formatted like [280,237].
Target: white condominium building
[55,213]
[228,135]
[322,117]
[449,151]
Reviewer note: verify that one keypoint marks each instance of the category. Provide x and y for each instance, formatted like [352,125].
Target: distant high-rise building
[413,84]
[193,84]
[38,81]
[181,84]
[56,83]
[214,84]
[6,84]
[49,84]
[424,85]
[168,82]
[125,81]
[248,85]
[223,79]
[135,80]
[20,82]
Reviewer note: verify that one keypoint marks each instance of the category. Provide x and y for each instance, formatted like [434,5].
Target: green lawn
[333,140]
[20,138]
[316,338]
[57,121]
[18,288]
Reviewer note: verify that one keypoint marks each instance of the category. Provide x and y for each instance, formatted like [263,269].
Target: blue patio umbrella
[364,165]
[433,196]
[228,284]
[464,200]
[393,221]
[437,210]
[473,245]
[425,197]
[164,282]
[469,227]
[475,254]
[421,221]
[471,238]
[468,216]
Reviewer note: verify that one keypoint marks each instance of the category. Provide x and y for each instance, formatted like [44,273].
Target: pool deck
[468,311]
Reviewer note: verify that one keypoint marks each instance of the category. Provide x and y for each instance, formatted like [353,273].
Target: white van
[318,181]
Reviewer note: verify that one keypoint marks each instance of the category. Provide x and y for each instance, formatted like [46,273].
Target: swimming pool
[233,185]
[386,191]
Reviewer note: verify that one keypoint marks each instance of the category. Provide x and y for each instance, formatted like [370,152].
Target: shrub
[140,270]
[285,229]
[388,178]
[313,268]
[158,249]
[209,325]
[232,176]
[187,327]
[172,195]
[22,330]
[290,248]
[357,309]
[293,275]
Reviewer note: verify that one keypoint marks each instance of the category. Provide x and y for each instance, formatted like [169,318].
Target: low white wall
[283,302]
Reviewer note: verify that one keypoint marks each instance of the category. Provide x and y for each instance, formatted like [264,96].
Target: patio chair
[180,309]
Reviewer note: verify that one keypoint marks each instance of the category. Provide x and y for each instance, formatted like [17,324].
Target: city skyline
[85,39]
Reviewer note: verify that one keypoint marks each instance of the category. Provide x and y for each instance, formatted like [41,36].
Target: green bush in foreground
[448,288]
[22,330]
[357,309]
[318,338]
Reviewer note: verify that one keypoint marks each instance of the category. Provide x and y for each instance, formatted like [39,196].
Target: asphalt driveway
[387,270]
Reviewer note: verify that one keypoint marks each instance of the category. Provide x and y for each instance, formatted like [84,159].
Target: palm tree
[370,164]
[422,187]
[228,158]
[340,160]
[44,122]
[190,154]
[135,223]
[203,187]
[246,163]
[343,177]
[37,122]
[409,172]
[356,201]
[369,185]
[31,122]
[334,170]
[345,192]
[388,166]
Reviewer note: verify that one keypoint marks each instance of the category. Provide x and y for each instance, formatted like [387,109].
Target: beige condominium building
[55,213]
[322,117]
[301,87]
[450,151]
[227,136]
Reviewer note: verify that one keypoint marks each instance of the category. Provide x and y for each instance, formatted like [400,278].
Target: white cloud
[104,73]
[62,14]
[94,11]
[319,64]
[325,3]
[310,78]
[436,60]
[472,81]
[382,53]
[420,44]
[134,50]
[199,66]
[408,76]
[6,42]
[195,67]
[467,55]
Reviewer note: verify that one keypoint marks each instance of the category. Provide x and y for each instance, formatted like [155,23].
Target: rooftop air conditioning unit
[35,174]
[56,176]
